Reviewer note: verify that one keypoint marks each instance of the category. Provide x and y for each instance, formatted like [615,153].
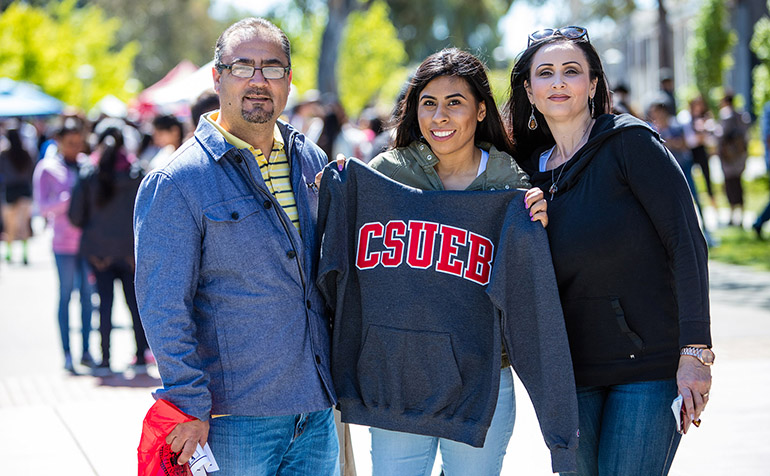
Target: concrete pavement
[55,423]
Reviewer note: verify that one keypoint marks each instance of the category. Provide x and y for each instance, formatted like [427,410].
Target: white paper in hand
[676,407]
[202,461]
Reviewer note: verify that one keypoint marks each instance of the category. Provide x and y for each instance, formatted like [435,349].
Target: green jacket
[414,166]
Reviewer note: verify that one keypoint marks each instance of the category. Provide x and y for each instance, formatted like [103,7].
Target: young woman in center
[450,136]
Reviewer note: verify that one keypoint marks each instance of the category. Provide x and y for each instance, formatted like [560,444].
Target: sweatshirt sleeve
[168,253]
[523,289]
[332,225]
[657,181]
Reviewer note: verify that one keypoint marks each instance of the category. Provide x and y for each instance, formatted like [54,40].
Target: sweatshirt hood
[606,127]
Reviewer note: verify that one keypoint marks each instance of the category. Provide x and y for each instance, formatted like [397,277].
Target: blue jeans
[283,445]
[405,454]
[72,271]
[627,429]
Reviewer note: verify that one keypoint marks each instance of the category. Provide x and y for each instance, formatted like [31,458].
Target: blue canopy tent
[18,98]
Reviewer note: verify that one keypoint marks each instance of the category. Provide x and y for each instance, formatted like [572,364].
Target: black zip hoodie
[629,255]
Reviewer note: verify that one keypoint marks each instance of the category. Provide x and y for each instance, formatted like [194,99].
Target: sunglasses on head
[569,32]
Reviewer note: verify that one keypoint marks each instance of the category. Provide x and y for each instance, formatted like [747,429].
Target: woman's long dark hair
[459,64]
[518,108]
[112,140]
[17,154]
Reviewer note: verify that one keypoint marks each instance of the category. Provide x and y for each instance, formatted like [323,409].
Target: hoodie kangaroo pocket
[598,331]
[407,370]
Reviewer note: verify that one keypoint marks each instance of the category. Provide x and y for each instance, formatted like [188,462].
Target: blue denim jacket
[225,284]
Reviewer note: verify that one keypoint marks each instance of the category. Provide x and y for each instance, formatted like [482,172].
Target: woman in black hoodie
[630,259]
[103,206]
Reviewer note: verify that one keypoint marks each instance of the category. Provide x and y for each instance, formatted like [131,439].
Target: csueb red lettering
[451,237]
[422,238]
[480,256]
[364,258]
[394,255]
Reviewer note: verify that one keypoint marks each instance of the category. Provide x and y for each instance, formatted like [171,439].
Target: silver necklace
[554,187]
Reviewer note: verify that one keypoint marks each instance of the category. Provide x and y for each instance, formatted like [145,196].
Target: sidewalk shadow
[740,288]
[131,380]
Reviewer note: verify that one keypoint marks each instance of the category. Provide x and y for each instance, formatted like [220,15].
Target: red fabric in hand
[155,456]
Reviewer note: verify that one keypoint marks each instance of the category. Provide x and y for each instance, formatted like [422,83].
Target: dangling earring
[532,124]
[591,106]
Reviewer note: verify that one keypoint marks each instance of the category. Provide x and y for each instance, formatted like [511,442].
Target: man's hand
[186,436]
[340,165]
[535,202]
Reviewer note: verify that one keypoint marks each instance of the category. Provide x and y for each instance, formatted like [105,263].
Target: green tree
[168,32]
[710,49]
[371,53]
[424,26]
[70,52]
[760,45]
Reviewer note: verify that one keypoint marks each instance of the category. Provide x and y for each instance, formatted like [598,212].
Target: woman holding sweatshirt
[629,256]
[450,136]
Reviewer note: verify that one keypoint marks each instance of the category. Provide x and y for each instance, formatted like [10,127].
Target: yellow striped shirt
[275,169]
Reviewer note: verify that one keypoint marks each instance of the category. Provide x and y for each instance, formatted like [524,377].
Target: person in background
[764,217]
[698,130]
[673,134]
[167,136]
[53,180]
[620,101]
[629,256]
[102,206]
[16,168]
[207,101]
[226,265]
[449,136]
[733,151]
[668,90]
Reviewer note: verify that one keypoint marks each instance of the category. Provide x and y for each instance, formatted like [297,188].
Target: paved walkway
[55,423]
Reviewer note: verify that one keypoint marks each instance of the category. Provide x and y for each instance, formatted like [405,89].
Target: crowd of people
[221,244]
[81,177]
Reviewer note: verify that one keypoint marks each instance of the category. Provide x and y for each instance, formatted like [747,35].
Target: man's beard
[258,115]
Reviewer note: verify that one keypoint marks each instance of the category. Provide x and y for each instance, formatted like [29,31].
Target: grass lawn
[736,245]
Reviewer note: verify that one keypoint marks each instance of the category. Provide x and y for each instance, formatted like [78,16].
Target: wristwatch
[706,356]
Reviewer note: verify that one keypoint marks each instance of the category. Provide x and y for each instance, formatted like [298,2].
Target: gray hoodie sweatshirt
[422,285]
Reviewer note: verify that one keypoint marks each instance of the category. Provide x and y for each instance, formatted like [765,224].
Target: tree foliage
[70,52]
[168,32]
[370,54]
[709,54]
[372,58]
[760,45]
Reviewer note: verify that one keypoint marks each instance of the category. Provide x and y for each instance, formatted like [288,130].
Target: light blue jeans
[627,430]
[296,445]
[406,454]
[73,271]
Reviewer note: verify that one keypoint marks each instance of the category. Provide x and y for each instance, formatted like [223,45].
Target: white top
[483,162]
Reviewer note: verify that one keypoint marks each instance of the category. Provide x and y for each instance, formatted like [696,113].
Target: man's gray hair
[254,25]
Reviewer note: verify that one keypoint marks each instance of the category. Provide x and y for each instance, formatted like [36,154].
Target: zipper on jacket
[280,217]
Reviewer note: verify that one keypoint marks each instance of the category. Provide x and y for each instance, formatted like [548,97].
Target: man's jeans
[396,454]
[298,445]
[73,270]
[627,429]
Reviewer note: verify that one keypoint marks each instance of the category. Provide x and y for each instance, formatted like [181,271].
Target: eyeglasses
[569,32]
[241,70]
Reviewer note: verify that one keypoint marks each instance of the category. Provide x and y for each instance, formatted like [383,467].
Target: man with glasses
[226,248]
